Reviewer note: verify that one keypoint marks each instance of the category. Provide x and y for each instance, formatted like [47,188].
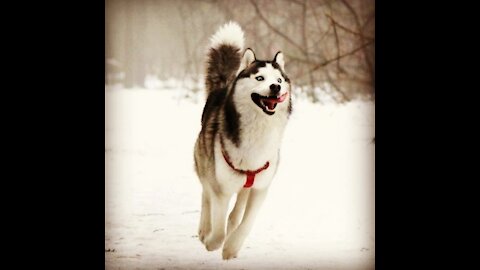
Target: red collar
[250,174]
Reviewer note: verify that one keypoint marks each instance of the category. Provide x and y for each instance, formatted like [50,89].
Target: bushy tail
[224,55]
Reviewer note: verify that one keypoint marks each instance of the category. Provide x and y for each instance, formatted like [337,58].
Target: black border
[54,150]
[419,127]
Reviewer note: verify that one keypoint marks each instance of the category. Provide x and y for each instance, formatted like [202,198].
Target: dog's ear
[279,60]
[247,59]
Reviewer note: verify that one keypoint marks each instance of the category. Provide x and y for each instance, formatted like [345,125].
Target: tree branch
[315,16]
[324,35]
[289,40]
[362,39]
[368,20]
[347,29]
[337,43]
[335,86]
[295,58]
[341,56]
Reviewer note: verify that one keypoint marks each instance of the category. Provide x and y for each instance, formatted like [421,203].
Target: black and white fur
[236,112]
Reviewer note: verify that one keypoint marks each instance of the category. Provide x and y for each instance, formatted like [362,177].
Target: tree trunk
[129,67]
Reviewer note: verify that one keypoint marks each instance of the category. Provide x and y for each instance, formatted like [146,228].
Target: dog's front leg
[205,220]
[235,240]
[237,212]
[218,208]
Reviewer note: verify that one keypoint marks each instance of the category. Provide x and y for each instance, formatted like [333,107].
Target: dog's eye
[279,80]
[259,78]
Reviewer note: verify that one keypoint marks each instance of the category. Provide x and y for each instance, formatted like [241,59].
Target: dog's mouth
[268,104]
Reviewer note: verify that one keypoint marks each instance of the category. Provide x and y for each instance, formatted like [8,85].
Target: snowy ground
[319,213]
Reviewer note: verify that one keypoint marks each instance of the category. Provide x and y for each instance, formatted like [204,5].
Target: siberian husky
[237,151]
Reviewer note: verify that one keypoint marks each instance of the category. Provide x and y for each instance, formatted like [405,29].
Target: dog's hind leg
[205,225]
[218,208]
[237,213]
[235,240]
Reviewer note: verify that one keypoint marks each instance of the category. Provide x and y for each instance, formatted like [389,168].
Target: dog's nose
[275,89]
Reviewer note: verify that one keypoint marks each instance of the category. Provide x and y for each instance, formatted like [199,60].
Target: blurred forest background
[329,45]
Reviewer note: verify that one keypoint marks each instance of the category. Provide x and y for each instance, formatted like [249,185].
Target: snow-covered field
[319,213]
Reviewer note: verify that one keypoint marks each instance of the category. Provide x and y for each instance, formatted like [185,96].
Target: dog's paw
[203,232]
[228,253]
[213,242]
[202,236]
[232,247]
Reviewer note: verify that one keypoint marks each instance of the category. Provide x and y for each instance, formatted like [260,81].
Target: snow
[319,213]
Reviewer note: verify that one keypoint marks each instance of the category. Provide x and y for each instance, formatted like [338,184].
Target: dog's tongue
[271,102]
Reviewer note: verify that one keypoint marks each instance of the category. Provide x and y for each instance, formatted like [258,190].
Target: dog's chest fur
[260,139]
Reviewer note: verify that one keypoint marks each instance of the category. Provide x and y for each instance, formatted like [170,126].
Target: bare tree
[325,41]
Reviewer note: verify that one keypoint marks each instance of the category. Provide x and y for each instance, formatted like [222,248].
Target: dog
[237,150]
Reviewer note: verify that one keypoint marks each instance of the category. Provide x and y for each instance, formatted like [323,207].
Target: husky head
[262,86]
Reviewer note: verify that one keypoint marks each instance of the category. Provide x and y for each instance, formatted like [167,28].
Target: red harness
[250,174]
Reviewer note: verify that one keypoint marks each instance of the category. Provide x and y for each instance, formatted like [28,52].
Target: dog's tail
[224,55]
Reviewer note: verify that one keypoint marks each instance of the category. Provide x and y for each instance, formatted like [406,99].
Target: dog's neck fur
[259,137]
